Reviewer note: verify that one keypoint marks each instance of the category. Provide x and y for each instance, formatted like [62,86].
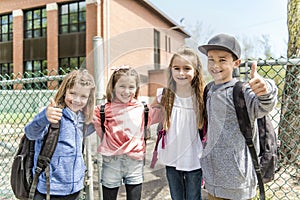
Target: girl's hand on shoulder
[257,83]
[53,113]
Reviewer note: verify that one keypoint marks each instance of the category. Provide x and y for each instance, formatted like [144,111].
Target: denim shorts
[120,169]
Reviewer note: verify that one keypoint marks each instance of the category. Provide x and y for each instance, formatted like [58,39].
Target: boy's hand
[257,83]
[53,114]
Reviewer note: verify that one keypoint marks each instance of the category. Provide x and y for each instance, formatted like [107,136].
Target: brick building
[44,35]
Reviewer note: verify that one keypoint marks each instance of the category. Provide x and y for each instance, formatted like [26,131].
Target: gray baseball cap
[222,42]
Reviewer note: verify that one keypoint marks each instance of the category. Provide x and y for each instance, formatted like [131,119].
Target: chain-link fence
[21,98]
[286,74]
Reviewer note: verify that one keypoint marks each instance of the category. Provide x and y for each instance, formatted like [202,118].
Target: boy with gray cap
[226,161]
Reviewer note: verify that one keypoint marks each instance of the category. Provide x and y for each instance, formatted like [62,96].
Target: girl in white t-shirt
[180,146]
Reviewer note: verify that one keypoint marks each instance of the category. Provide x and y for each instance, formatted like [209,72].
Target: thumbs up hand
[257,83]
[53,113]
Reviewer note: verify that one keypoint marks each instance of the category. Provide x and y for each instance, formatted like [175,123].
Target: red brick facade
[126,26]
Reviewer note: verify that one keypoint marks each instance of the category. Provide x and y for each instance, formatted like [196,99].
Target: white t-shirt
[182,141]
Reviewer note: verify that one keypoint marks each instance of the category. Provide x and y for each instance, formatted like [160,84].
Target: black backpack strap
[102,118]
[206,89]
[85,126]
[44,158]
[246,129]
[146,136]
[146,113]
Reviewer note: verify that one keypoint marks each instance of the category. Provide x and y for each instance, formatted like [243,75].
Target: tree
[289,125]
[247,46]
[265,41]
[199,34]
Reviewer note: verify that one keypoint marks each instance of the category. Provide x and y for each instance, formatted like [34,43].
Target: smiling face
[125,88]
[221,65]
[182,71]
[76,98]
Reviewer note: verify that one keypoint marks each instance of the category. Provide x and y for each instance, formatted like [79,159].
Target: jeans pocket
[107,159]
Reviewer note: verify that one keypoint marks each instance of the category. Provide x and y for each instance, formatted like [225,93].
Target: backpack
[23,183]
[266,163]
[147,133]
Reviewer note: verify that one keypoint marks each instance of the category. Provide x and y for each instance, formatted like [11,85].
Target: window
[36,66]
[6,69]
[156,49]
[35,23]
[68,64]
[168,43]
[6,73]
[35,69]
[6,28]
[72,17]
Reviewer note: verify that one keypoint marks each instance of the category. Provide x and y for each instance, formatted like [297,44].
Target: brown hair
[84,79]
[198,84]
[117,74]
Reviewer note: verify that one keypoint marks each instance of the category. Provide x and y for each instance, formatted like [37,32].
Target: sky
[241,18]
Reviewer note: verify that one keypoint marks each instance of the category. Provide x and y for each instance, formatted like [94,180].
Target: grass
[15,118]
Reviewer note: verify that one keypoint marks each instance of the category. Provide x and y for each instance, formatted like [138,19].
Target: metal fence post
[90,186]
[99,80]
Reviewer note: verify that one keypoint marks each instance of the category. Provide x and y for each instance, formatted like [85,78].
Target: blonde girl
[123,146]
[72,107]
[180,147]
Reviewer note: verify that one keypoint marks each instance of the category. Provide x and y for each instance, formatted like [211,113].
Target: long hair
[84,79]
[198,84]
[117,74]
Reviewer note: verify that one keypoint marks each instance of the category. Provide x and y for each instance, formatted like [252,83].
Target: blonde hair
[84,79]
[198,84]
[117,74]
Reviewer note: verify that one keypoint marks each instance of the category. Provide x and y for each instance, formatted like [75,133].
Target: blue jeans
[184,185]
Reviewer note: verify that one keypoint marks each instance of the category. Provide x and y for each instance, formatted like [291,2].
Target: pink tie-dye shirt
[124,128]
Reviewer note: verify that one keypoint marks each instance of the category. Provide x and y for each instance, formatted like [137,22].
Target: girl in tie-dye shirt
[123,145]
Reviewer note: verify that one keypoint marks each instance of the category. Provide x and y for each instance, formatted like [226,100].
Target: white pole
[100,91]
[90,183]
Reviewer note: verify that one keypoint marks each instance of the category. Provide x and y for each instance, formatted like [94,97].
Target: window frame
[35,72]
[35,23]
[67,64]
[9,27]
[72,17]
[156,49]
[6,75]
